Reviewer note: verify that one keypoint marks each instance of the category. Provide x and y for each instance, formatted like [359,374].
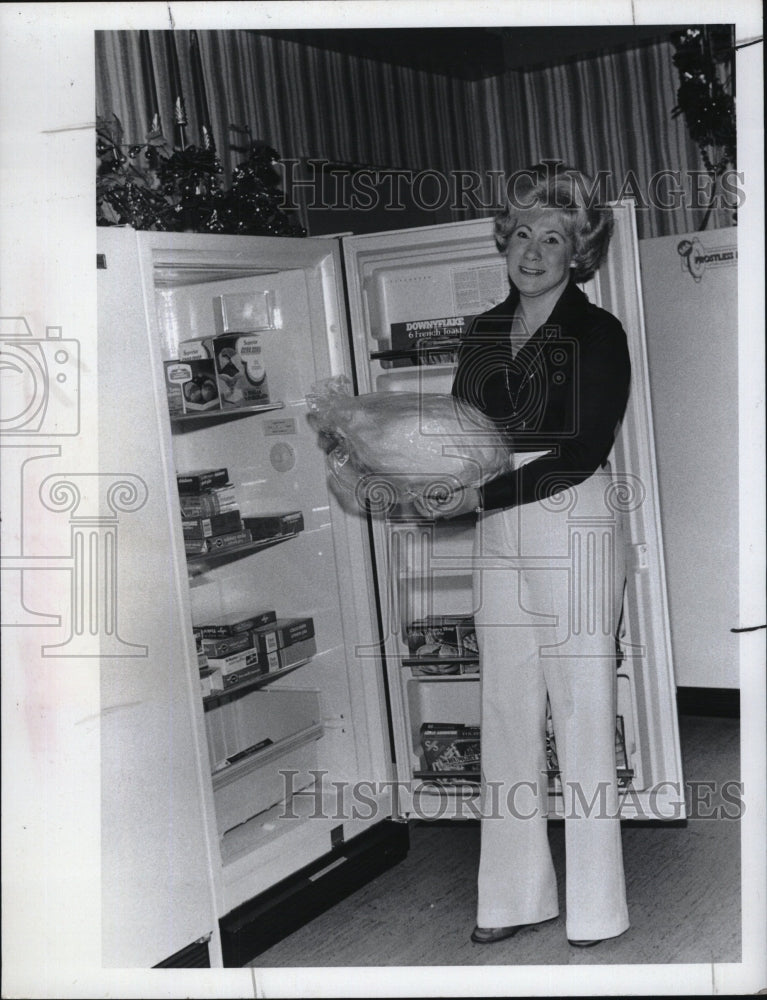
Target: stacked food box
[225,371]
[210,515]
[243,646]
[453,749]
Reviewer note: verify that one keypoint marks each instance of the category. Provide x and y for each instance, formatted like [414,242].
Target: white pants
[548,582]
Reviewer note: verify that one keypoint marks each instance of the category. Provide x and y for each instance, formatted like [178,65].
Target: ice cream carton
[240,370]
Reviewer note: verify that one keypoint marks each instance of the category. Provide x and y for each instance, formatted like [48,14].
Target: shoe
[585,944]
[489,935]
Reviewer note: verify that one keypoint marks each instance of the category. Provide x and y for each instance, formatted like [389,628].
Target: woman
[554,369]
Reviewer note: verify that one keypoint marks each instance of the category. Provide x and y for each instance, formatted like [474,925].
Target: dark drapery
[611,112]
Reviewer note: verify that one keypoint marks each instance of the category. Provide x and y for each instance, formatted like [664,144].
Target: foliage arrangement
[180,189]
[704,58]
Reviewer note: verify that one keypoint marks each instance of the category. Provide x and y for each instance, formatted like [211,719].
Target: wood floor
[683,884]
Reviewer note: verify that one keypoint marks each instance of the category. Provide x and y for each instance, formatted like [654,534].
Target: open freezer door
[411,292]
[260,704]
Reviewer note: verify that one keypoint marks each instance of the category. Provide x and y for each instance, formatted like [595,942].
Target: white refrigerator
[229,818]
[690,286]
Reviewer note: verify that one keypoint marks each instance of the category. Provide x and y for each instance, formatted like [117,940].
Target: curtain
[140,74]
[302,100]
[610,113]
[613,113]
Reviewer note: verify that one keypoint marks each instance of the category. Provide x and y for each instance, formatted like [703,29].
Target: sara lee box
[233,623]
[191,386]
[240,370]
[283,632]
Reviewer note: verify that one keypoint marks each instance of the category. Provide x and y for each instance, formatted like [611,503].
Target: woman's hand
[462,501]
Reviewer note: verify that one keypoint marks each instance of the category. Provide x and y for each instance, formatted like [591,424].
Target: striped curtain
[613,113]
[305,101]
[140,74]
[610,113]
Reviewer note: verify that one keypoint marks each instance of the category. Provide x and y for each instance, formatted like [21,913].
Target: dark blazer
[565,390]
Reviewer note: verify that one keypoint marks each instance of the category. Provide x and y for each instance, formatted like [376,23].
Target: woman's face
[539,252]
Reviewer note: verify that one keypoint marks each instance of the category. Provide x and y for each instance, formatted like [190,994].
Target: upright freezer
[241,798]
[691,313]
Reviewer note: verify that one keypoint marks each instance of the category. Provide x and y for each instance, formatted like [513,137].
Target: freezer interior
[411,295]
[282,736]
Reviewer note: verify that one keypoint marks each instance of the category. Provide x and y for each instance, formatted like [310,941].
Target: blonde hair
[587,223]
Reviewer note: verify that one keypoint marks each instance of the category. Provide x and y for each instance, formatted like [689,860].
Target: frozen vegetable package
[390,448]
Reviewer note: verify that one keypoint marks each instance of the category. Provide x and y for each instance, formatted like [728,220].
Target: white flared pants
[548,583]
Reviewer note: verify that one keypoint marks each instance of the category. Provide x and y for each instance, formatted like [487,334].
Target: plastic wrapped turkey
[388,449]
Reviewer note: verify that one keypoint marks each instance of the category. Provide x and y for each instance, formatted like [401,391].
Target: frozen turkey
[389,448]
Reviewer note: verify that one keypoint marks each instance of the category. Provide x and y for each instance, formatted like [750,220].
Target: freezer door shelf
[198,565]
[471,771]
[188,421]
[211,700]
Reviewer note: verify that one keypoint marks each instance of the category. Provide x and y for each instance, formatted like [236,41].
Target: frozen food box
[234,663]
[240,370]
[234,623]
[282,632]
[289,656]
[443,644]
[201,480]
[214,524]
[197,348]
[227,645]
[450,746]
[275,525]
[191,386]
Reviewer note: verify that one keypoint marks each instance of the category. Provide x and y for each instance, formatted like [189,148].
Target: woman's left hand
[463,501]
